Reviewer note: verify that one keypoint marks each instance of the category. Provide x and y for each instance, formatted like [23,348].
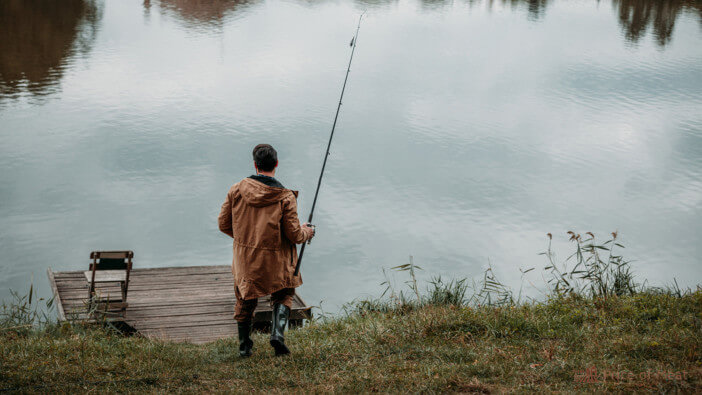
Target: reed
[597,270]
[25,313]
[593,270]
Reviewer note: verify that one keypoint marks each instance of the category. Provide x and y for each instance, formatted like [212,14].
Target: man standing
[261,216]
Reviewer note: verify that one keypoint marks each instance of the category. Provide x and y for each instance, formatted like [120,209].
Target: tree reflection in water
[635,17]
[535,8]
[201,14]
[40,38]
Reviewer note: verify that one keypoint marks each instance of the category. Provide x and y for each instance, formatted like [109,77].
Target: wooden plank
[188,321]
[170,325]
[173,279]
[166,310]
[227,311]
[57,296]
[201,293]
[134,306]
[141,284]
[105,276]
[75,273]
[172,298]
[111,254]
[156,274]
[186,268]
[145,293]
[149,307]
[159,313]
[138,284]
[101,294]
[179,276]
[186,303]
[102,304]
[162,272]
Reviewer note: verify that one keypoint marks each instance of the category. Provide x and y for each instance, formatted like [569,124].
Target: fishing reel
[314,227]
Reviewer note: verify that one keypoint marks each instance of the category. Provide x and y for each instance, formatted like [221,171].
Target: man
[261,216]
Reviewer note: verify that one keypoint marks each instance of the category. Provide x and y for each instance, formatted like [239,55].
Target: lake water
[469,130]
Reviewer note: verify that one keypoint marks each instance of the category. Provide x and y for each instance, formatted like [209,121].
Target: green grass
[432,348]
[444,340]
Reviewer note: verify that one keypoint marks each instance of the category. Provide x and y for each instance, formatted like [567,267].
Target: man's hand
[309,228]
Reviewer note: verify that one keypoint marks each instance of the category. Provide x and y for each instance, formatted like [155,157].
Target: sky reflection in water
[469,130]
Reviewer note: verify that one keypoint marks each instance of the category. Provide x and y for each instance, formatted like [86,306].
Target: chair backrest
[112,260]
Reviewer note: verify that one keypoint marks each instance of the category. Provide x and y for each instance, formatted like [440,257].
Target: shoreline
[596,330]
[648,341]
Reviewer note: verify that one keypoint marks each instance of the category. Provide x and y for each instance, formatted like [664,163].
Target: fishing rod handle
[299,260]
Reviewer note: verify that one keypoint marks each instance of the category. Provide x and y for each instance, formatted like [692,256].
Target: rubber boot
[281,313]
[245,342]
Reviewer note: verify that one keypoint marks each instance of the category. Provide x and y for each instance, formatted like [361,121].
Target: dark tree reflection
[635,17]
[435,4]
[535,8]
[201,13]
[38,38]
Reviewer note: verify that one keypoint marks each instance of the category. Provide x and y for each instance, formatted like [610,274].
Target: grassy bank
[543,346]
[443,340]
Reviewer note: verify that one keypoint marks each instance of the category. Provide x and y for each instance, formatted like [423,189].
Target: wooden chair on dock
[108,268]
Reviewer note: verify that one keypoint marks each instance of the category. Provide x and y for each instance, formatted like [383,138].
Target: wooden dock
[183,304]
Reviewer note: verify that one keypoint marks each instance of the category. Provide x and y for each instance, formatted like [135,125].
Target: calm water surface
[469,130]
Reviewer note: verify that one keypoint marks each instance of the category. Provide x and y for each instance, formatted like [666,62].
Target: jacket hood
[258,194]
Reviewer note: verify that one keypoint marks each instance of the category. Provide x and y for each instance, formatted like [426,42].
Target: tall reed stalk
[594,270]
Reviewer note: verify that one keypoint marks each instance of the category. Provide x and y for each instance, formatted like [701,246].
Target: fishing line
[331,135]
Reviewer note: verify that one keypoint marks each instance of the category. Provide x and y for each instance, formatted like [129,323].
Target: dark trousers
[244,309]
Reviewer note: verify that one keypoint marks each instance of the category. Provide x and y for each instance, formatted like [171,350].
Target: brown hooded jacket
[263,222]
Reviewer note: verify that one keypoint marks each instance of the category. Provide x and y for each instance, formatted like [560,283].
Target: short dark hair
[265,157]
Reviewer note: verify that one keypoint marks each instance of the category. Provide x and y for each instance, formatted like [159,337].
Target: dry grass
[539,347]
[598,331]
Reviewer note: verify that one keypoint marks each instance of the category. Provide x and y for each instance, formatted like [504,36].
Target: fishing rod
[331,135]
